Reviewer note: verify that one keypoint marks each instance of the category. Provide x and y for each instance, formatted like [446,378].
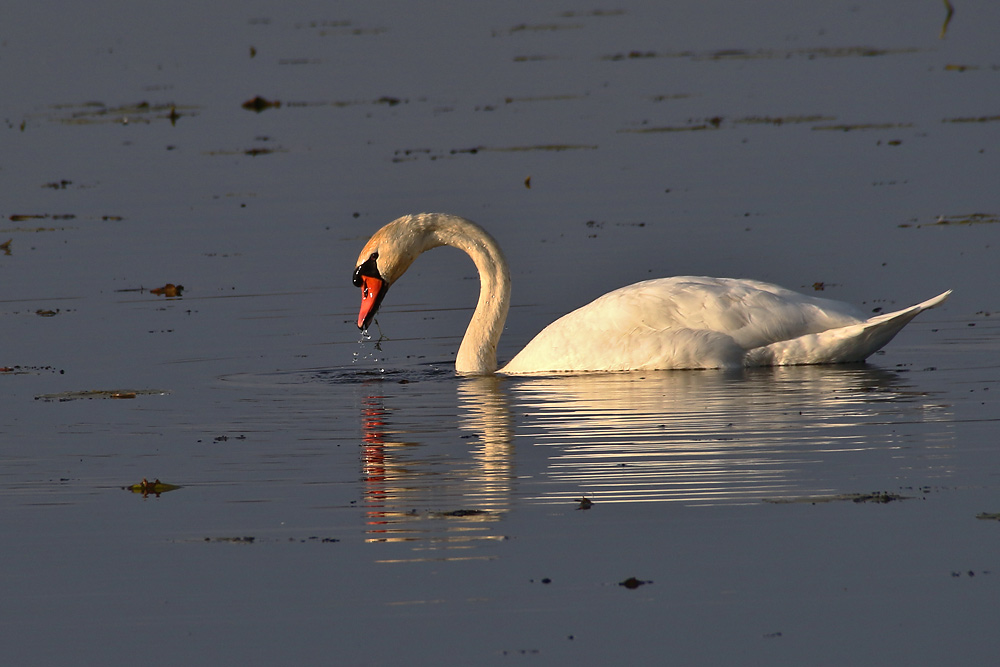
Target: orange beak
[372,291]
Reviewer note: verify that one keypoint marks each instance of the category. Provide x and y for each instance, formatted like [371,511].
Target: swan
[684,322]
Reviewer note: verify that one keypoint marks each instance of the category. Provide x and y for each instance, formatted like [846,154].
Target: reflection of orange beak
[372,291]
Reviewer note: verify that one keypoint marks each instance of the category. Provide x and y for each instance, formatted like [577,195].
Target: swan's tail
[853,343]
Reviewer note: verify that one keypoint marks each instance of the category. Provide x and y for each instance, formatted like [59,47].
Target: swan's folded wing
[853,343]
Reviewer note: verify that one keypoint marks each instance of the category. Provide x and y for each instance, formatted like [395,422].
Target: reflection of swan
[681,322]
[656,436]
[441,501]
[710,438]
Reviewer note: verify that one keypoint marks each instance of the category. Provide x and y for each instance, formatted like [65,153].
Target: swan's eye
[368,268]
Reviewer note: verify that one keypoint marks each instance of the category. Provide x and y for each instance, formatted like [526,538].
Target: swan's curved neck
[478,353]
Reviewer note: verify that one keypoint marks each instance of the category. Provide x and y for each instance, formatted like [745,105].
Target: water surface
[342,502]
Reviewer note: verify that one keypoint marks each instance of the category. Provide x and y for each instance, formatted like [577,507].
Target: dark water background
[344,503]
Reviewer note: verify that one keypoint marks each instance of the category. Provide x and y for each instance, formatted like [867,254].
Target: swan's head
[373,289]
[387,256]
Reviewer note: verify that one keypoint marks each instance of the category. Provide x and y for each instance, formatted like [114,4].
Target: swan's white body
[669,323]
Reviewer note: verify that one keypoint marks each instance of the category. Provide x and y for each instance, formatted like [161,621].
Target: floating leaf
[259,104]
[156,487]
[168,290]
[950,11]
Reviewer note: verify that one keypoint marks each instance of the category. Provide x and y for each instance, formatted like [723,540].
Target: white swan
[681,322]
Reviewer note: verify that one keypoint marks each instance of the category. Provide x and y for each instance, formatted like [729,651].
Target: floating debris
[156,487]
[964,219]
[259,104]
[65,396]
[783,120]
[226,438]
[24,217]
[988,516]
[881,497]
[386,100]
[232,540]
[863,126]
[169,290]
[949,12]
[5,246]
[250,539]
[26,370]
[970,219]
[632,583]
[539,27]
[635,55]
[252,152]
[556,148]
[762,54]
[971,119]
[585,503]
[713,123]
[21,217]
[89,113]
[410,154]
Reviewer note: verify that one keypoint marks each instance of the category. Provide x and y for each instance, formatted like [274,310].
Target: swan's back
[679,322]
